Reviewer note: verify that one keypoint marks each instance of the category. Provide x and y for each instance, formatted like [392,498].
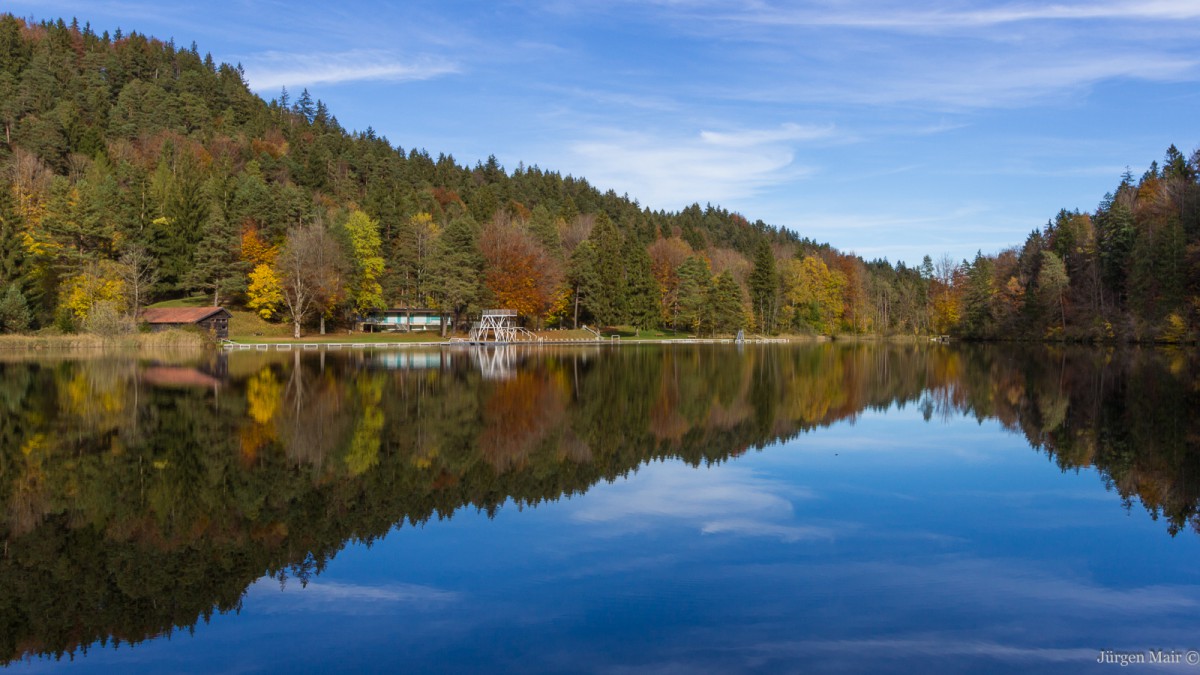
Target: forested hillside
[137,171]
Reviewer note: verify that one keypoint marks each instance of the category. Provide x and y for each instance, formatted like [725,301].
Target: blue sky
[887,128]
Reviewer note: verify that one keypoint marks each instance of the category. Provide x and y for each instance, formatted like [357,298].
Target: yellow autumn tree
[813,293]
[264,291]
[94,295]
[366,248]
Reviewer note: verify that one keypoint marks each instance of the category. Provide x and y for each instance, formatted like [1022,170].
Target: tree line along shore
[136,171]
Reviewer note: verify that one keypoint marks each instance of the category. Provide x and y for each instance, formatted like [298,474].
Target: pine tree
[977,299]
[457,269]
[15,316]
[608,302]
[583,279]
[175,234]
[543,226]
[218,267]
[727,313]
[12,248]
[764,288]
[693,308]
[305,107]
[1116,234]
[641,287]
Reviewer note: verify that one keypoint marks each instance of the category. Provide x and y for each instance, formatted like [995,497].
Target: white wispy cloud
[1017,80]
[712,166]
[271,70]
[957,56]
[756,137]
[902,16]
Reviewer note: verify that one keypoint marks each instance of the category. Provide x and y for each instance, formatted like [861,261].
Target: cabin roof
[181,314]
[406,310]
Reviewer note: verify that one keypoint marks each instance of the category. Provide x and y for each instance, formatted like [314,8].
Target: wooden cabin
[214,320]
[402,319]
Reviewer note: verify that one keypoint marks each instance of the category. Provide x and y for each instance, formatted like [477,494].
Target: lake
[686,508]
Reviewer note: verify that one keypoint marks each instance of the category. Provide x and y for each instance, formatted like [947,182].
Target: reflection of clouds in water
[1021,588]
[1004,587]
[929,648]
[345,598]
[943,613]
[750,528]
[728,500]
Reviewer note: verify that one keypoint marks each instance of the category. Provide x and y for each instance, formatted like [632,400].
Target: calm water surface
[638,509]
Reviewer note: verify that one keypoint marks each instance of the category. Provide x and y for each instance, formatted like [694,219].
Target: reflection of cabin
[175,377]
[214,320]
[402,319]
[410,360]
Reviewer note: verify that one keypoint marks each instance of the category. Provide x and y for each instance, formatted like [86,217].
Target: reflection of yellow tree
[812,396]
[28,502]
[96,397]
[263,395]
[364,444]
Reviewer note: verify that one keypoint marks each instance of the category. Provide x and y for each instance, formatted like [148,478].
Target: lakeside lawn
[248,328]
[271,333]
[335,337]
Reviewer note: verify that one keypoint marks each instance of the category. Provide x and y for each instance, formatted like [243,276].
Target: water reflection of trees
[140,497]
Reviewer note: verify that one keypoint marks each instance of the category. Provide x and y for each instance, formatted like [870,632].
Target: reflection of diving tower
[497,363]
[499,326]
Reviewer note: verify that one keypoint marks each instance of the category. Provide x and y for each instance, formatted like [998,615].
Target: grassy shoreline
[193,340]
[172,339]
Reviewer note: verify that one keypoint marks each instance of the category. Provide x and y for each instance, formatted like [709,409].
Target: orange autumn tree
[255,250]
[666,255]
[519,274]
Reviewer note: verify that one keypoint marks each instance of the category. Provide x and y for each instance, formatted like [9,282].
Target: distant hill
[139,171]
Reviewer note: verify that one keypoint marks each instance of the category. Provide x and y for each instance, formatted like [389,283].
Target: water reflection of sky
[890,544]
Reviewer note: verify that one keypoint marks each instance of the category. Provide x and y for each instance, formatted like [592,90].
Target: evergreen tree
[304,107]
[608,302]
[218,267]
[977,318]
[1116,235]
[175,234]
[15,316]
[694,310]
[12,248]
[641,287]
[543,226]
[584,280]
[457,269]
[764,288]
[726,301]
